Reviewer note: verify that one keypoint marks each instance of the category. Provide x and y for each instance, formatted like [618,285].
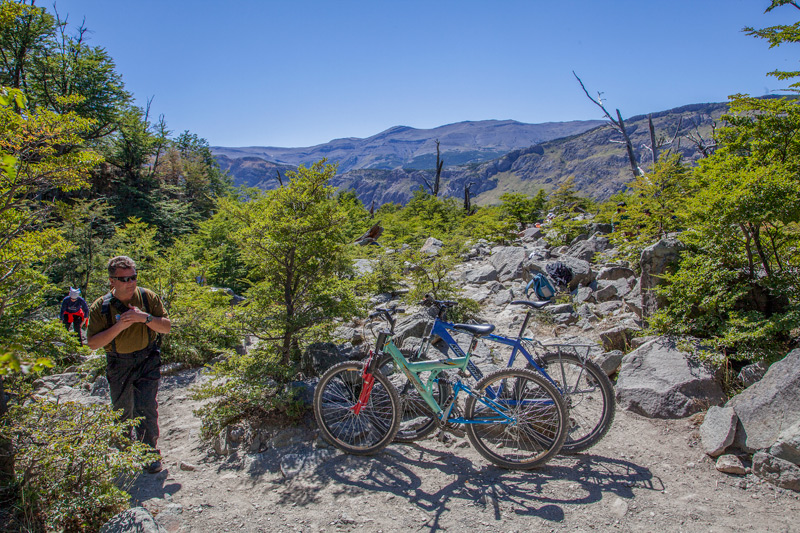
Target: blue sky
[303,72]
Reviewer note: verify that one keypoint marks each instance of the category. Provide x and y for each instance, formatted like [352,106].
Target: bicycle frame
[413,369]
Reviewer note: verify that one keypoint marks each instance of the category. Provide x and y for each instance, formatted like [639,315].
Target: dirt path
[646,475]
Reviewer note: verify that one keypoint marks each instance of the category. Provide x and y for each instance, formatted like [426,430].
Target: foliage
[67,471]
[522,208]
[201,316]
[293,241]
[654,207]
[247,387]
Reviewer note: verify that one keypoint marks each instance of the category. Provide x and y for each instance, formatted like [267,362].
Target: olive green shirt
[137,336]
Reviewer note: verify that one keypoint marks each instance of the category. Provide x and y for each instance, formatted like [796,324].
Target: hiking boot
[154,467]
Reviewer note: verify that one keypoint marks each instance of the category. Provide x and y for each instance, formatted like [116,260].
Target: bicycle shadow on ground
[401,470]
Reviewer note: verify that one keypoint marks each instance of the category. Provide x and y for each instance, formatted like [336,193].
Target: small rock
[187,466]
[730,464]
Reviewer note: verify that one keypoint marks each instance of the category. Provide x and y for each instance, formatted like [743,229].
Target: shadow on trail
[148,486]
[579,479]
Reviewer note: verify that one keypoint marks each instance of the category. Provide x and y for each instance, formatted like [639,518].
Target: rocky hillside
[493,156]
[403,147]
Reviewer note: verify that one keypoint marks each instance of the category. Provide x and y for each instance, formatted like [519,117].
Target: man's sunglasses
[124,279]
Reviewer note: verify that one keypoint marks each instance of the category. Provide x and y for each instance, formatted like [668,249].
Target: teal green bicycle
[513,417]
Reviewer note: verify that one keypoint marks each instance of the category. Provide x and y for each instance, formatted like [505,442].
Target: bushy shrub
[70,460]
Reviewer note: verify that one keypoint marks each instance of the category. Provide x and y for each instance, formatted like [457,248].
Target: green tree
[522,208]
[778,35]
[293,241]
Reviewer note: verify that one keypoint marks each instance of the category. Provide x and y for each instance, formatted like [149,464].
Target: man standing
[74,312]
[126,322]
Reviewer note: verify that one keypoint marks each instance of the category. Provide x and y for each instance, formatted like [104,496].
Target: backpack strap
[146,305]
[106,310]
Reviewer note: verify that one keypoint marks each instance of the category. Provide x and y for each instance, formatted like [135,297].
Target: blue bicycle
[588,392]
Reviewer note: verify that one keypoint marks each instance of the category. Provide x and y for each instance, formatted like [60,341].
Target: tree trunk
[653,146]
[748,250]
[760,249]
[628,146]
[6,453]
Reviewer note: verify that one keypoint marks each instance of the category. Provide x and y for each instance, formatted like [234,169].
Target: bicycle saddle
[535,305]
[475,329]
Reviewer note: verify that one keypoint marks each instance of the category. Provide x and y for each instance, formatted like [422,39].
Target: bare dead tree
[657,143]
[653,145]
[705,146]
[434,188]
[372,209]
[278,175]
[618,124]
[467,201]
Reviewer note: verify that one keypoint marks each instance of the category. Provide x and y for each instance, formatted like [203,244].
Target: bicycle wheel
[589,395]
[418,420]
[538,414]
[364,433]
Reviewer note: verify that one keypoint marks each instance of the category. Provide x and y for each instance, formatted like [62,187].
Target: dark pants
[75,325]
[133,380]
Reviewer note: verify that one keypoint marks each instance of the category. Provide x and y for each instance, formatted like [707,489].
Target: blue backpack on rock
[542,287]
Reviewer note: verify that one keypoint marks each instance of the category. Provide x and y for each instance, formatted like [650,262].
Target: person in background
[74,312]
[126,323]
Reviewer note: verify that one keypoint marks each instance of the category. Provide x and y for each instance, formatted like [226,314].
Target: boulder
[508,261]
[608,308]
[416,325]
[587,249]
[582,272]
[136,519]
[659,380]
[431,246]
[600,227]
[718,430]
[363,266]
[656,260]
[605,293]
[616,338]
[749,374]
[323,355]
[583,295]
[609,361]
[768,406]
[615,272]
[777,471]
[787,447]
[480,274]
[531,234]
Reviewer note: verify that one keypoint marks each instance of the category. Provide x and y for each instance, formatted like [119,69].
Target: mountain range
[491,157]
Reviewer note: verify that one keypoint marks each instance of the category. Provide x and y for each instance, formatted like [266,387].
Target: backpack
[560,273]
[544,289]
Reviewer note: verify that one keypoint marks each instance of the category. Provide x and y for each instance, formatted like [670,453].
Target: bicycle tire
[365,433]
[589,395]
[539,412]
[418,420]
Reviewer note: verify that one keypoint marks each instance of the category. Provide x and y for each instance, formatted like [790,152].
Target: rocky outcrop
[659,380]
[134,520]
[718,430]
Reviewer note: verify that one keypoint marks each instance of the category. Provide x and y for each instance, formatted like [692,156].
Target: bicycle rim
[538,419]
[367,432]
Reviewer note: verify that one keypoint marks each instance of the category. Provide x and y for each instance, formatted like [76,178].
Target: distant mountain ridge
[405,147]
[380,171]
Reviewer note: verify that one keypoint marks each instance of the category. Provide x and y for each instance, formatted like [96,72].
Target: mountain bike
[585,387]
[513,417]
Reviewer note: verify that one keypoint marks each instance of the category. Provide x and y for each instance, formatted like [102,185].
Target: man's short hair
[121,261]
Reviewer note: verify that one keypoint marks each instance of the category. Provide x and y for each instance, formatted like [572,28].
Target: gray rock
[587,249]
[605,293]
[607,308]
[54,381]
[655,261]
[502,297]
[582,272]
[101,388]
[615,272]
[600,227]
[659,380]
[363,266]
[616,338]
[777,471]
[718,430]
[752,373]
[583,295]
[609,361]
[559,309]
[769,406]
[431,246]
[531,234]
[134,520]
[730,464]
[303,390]
[508,262]
[323,355]
[480,274]
[416,325]
[787,447]
[565,319]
